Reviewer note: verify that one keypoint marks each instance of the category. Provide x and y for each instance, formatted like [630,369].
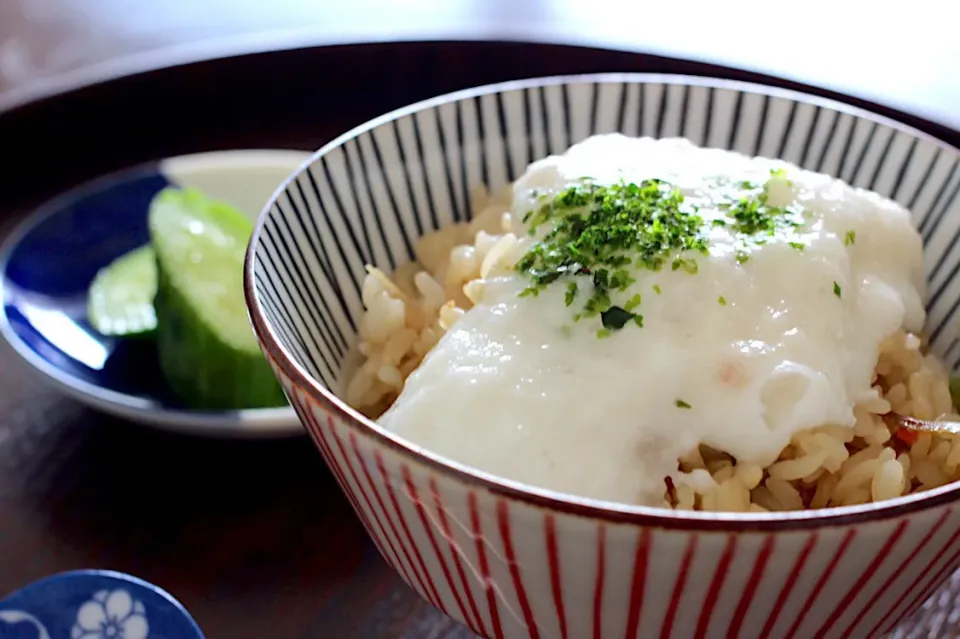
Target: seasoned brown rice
[827,466]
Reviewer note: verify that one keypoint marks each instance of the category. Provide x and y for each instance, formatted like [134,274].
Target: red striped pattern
[309,421]
[321,440]
[756,575]
[598,584]
[503,523]
[789,585]
[821,582]
[914,591]
[899,571]
[920,595]
[553,565]
[411,575]
[313,427]
[666,630]
[719,576]
[429,554]
[388,550]
[943,574]
[474,620]
[387,540]
[428,527]
[949,566]
[863,580]
[423,575]
[638,582]
[484,566]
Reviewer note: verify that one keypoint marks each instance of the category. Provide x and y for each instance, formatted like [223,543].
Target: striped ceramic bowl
[512,561]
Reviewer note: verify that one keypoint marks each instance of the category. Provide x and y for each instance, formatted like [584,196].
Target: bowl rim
[605,511]
[244,423]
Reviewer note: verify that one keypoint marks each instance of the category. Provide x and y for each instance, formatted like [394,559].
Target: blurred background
[874,50]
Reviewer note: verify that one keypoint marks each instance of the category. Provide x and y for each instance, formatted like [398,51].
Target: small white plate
[47,264]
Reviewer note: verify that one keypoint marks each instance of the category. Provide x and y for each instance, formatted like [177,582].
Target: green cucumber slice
[208,352]
[120,300]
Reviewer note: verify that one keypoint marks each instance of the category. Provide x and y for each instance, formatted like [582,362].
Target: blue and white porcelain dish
[94,604]
[47,264]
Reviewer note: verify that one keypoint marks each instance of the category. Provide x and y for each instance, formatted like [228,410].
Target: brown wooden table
[255,538]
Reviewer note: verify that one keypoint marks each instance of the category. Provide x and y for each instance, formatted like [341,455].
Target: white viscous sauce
[511,392]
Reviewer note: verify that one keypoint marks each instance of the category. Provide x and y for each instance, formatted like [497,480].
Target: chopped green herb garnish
[722,300]
[604,234]
[571,293]
[615,317]
[836,289]
[850,238]
[689,265]
[604,332]
[798,245]
[598,231]
[752,215]
[682,404]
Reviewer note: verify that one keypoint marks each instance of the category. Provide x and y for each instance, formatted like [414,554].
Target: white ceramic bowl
[513,561]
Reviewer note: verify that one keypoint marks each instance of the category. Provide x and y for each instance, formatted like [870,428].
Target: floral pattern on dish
[111,615]
[94,604]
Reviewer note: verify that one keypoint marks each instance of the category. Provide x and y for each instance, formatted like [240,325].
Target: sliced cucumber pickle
[120,301]
[208,352]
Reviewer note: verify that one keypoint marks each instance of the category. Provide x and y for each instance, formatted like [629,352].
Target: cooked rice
[407,314]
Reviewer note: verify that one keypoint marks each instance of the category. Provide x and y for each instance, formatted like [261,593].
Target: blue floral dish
[94,604]
[48,263]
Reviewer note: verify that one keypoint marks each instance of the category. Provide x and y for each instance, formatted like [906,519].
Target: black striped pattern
[368,198]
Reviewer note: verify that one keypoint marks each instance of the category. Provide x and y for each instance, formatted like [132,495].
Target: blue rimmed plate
[94,604]
[47,264]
